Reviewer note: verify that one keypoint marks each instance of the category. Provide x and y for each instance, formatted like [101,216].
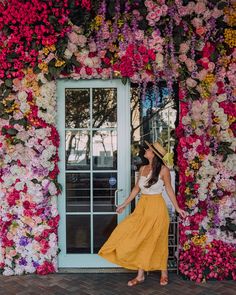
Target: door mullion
[91,170]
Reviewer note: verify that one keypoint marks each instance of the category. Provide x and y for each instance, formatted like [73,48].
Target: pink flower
[183,57]
[191,82]
[73,37]
[197,22]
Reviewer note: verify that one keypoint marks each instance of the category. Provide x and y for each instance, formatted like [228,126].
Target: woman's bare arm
[169,189]
[132,195]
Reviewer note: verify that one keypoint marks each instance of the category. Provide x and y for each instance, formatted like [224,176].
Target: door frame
[123,164]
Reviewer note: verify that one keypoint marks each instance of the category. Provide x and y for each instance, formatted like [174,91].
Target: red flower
[46,268]
[208,49]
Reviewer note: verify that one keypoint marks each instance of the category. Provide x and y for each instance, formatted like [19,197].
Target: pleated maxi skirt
[140,241]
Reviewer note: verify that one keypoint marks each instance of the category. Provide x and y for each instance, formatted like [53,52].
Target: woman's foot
[138,280]
[164,278]
[135,281]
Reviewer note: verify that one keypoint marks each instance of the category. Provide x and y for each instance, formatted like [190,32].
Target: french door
[94,126]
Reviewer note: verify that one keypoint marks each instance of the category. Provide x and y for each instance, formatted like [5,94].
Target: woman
[140,241]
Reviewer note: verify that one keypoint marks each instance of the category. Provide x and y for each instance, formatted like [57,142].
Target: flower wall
[191,42]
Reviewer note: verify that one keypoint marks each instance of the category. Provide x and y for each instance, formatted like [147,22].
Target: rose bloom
[191,82]
[82,40]
[149,4]
[200,31]
[139,35]
[200,7]
[211,66]
[190,64]
[184,47]
[196,22]
[183,58]
[153,16]
[73,37]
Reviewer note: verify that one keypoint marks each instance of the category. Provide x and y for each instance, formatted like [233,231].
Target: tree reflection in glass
[104,107]
[77,107]
[77,150]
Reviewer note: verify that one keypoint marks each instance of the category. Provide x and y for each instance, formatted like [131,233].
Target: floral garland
[191,42]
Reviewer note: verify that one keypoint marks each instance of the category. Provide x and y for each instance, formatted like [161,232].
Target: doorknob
[116,196]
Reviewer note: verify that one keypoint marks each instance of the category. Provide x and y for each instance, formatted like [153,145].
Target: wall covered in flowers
[191,42]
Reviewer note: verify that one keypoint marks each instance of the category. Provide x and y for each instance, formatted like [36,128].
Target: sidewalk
[108,284]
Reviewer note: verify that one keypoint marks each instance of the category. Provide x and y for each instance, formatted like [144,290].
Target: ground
[108,284]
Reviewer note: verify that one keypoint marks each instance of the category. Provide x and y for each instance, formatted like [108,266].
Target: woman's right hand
[120,208]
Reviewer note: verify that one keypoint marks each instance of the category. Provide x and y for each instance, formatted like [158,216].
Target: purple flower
[23,261]
[35,264]
[24,241]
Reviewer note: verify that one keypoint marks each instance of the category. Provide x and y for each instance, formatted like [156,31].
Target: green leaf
[124,80]
[8,83]
[36,70]
[6,93]
[4,116]
[12,131]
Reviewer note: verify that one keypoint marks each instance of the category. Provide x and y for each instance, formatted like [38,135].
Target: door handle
[116,196]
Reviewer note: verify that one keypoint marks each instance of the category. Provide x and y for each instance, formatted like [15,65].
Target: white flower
[8,272]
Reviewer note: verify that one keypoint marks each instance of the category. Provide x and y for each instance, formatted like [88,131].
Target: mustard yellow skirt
[140,241]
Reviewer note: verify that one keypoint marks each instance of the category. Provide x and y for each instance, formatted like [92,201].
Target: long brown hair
[156,168]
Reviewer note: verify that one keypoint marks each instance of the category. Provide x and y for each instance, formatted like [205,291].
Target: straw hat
[157,148]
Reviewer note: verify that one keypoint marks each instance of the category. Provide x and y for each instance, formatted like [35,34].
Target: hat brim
[156,152]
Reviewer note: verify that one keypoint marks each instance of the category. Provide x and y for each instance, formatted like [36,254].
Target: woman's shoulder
[165,170]
[142,167]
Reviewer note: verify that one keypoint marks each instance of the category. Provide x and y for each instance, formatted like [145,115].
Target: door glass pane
[103,227]
[104,150]
[104,187]
[78,234]
[77,107]
[104,107]
[77,150]
[77,192]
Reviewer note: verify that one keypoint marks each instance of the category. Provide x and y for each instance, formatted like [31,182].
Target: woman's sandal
[135,282]
[164,280]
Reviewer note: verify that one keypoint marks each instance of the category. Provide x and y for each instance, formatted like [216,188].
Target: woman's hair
[156,168]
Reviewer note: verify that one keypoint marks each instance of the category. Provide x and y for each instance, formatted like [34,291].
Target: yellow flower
[98,20]
[230,15]
[210,78]
[52,47]
[199,240]
[187,172]
[120,23]
[121,37]
[190,203]
[59,63]
[186,246]
[187,190]
[194,165]
[46,50]
[230,37]
[231,119]
[43,66]
[216,120]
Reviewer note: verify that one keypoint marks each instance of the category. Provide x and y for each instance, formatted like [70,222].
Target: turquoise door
[94,125]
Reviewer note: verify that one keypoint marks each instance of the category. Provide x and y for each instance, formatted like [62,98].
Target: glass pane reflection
[104,107]
[77,192]
[78,234]
[77,150]
[104,187]
[104,150]
[103,227]
[77,107]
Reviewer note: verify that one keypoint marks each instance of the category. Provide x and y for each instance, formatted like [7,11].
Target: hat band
[159,154]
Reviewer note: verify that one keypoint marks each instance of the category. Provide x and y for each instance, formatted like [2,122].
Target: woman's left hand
[181,212]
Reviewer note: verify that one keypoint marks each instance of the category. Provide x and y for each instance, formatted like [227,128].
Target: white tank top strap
[141,170]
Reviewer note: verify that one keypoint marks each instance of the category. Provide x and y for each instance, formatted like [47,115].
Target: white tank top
[154,189]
